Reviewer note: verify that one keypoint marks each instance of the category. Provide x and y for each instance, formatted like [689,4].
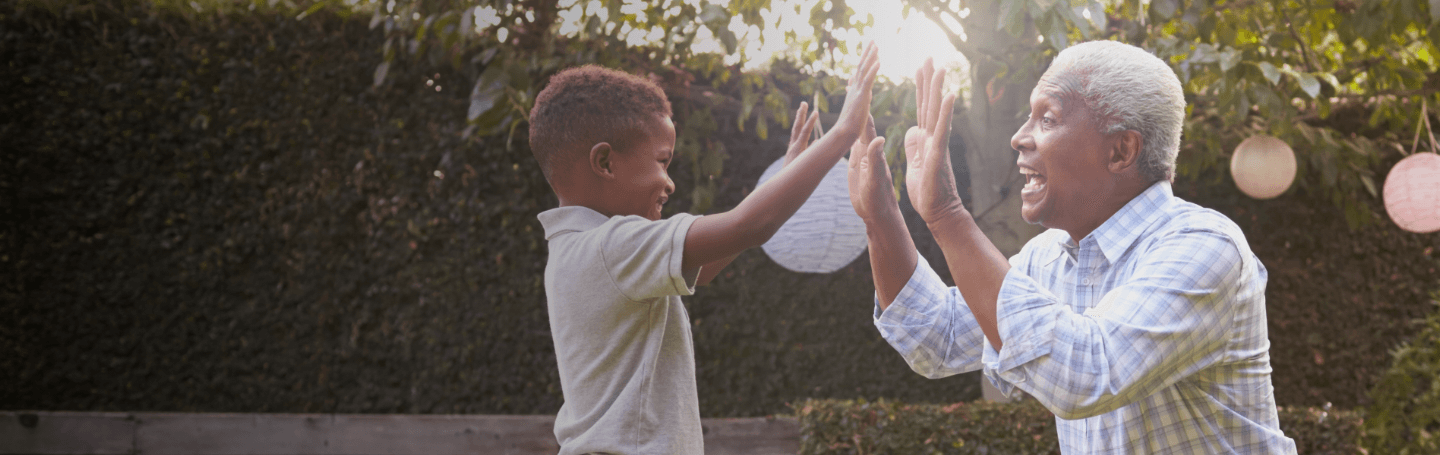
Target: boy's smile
[641,165]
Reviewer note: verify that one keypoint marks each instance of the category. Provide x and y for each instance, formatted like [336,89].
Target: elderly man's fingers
[941,135]
[937,87]
[914,138]
[922,78]
[879,168]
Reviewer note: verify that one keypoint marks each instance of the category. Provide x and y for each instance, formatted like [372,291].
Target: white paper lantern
[1263,166]
[1412,193]
[825,234]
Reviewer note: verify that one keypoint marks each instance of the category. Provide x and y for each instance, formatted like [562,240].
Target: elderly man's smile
[1034,183]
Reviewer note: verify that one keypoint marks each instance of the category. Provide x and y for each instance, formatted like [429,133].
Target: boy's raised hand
[857,96]
[800,132]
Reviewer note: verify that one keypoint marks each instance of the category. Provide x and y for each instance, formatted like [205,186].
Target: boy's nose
[669,185]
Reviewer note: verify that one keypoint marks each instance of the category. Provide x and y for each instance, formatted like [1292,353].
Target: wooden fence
[66,433]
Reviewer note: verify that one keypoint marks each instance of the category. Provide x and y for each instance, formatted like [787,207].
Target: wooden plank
[58,433]
[443,435]
[758,436]
[343,434]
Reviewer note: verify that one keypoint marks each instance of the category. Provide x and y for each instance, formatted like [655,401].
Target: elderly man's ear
[1125,153]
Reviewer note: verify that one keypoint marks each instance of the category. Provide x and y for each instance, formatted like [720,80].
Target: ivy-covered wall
[223,213]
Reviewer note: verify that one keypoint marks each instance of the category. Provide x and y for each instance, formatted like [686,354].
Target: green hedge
[222,214]
[1021,427]
[1405,418]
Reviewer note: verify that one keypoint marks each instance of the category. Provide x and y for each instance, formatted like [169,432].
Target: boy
[616,271]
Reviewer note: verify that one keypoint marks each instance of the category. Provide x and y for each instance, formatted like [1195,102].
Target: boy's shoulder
[569,219]
[641,257]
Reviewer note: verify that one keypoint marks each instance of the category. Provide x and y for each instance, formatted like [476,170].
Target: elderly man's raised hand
[871,191]
[929,178]
[857,96]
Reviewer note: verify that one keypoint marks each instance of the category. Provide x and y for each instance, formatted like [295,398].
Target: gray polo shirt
[622,336]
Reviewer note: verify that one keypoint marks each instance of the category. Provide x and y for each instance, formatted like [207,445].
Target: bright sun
[904,43]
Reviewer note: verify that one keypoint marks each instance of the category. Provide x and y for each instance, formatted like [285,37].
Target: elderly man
[1138,318]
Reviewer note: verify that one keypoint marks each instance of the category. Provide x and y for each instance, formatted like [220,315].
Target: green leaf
[1229,58]
[1012,17]
[1309,84]
[1164,9]
[488,91]
[1271,73]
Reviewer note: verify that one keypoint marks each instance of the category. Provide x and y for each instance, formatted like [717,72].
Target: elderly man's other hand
[871,191]
[930,180]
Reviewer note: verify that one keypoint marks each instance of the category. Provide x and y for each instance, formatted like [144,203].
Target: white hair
[1127,88]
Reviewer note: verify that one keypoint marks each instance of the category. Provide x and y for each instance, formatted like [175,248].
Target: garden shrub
[1019,427]
[1405,418]
[1322,430]
[884,426]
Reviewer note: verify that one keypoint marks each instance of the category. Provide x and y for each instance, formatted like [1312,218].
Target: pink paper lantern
[1263,166]
[1412,193]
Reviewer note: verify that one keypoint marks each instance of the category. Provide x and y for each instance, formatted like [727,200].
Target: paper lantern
[825,234]
[1412,193]
[1263,166]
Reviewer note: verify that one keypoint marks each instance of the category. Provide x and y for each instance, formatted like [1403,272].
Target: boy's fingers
[799,119]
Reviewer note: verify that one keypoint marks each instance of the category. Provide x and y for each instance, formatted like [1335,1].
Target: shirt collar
[1118,233]
[570,219]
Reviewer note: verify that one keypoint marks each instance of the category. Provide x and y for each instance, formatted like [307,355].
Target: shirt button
[1085,281]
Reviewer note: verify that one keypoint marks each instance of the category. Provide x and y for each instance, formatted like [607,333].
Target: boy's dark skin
[631,178]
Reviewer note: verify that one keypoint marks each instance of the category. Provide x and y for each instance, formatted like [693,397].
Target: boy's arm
[799,141]
[755,220]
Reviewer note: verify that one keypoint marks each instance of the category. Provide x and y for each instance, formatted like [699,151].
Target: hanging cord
[1424,120]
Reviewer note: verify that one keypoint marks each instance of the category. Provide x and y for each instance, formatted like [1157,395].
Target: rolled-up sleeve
[931,327]
[1166,321]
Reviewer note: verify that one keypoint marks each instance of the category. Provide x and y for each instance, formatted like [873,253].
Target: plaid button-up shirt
[1148,336]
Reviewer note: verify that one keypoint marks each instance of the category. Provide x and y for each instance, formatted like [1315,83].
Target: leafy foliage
[225,213]
[1406,414]
[1342,82]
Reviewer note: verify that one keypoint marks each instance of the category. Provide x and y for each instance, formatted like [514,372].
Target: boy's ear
[1125,154]
[601,160]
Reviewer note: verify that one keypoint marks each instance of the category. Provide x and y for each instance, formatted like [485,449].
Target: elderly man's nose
[1022,140]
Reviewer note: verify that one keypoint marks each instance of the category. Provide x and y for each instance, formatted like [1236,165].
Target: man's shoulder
[1184,216]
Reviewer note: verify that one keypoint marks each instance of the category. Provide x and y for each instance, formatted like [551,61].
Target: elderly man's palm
[929,177]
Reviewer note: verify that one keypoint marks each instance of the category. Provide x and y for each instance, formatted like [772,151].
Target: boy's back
[622,337]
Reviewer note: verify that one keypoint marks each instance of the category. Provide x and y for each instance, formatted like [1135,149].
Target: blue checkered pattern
[1148,336]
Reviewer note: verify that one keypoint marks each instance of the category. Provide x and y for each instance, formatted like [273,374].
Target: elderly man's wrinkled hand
[871,190]
[929,177]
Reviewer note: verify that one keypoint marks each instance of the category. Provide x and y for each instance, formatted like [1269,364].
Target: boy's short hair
[587,105]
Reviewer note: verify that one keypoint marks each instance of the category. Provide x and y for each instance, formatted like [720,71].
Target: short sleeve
[644,257]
